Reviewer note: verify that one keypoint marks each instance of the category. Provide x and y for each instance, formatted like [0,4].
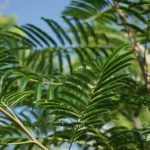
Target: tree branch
[137,47]
[20,124]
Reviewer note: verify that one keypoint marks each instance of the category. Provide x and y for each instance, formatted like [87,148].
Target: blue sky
[30,11]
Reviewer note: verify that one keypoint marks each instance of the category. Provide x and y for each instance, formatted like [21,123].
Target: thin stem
[19,123]
[9,109]
[19,143]
[73,138]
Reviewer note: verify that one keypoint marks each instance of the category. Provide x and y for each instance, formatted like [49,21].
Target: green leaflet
[85,91]
[14,98]
[55,30]
[40,31]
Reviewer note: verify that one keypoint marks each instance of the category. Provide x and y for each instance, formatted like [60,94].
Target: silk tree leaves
[18,79]
[73,29]
[59,31]
[49,55]
[40,31]
[6,59]
[53,54]
[104,13]
[76,27]
[15,98]
[127,138]
[26,80]
[84,9]
[8,64]
[134,97]
[88,95]
[94,10]
[91,10]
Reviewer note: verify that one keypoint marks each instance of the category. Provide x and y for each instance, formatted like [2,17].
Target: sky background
[30,11]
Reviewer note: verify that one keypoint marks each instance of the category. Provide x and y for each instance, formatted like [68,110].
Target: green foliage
[77,84]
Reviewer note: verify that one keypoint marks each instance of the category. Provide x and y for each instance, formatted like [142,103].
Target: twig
[136,46]
[73,138]
[20,124]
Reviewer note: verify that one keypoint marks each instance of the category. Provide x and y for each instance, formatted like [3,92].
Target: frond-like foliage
[88,96]
[70,84]
[104,12]
[55,55]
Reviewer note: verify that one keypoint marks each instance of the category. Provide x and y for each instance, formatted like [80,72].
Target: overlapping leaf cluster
[73,85]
